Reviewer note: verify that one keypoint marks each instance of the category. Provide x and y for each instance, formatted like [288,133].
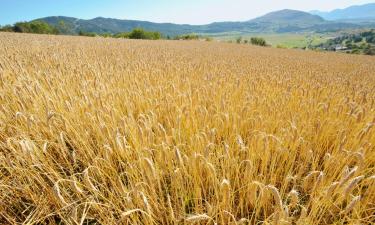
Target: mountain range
[357,12]
[282,21]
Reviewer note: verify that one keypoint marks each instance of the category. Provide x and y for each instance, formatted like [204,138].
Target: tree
[187,37]
[106,35]
[22,27]
[37,27]
[87,34]
[155,35]
[41,27]
[7,28]
[258,41]
[139,33]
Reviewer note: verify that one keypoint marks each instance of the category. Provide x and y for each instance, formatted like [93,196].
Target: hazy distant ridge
[366,11]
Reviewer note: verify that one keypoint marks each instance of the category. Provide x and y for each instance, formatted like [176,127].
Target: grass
[294,40]
[109,131]
[285,40]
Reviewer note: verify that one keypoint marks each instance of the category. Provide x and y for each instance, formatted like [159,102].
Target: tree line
[253,40]
[41,27]
[36,27]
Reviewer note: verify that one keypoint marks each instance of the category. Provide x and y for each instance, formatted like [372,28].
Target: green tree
[87,34]
[37,27]
[106,35]
[139,33]
[187,37]
[22,27]
[7,28]
[121,35]
[258,41]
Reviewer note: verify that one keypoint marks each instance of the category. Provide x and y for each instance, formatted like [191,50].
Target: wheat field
[109,131]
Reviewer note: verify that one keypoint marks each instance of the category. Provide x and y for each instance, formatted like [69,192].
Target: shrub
[7,28]
[37,27]
[139,33]
[106,35]
[87,34]
[258,41]
[187,37]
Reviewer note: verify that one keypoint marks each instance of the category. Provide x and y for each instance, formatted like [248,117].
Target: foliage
[258,41]
[37,27]
[41,27]
[139,33]
[87,34]
[187,37]
[106,35]
[7,28]
[354,43]
[92,34]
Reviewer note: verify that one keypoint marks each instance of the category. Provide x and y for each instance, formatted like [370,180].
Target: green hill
[291,17]
[282,21]
[356,12]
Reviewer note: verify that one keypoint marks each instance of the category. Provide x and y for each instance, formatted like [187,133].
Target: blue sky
[176,11]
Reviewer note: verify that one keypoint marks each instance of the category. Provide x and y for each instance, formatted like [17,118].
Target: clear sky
[175,11]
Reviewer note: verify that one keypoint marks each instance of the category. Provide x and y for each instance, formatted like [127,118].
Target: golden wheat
[110,131]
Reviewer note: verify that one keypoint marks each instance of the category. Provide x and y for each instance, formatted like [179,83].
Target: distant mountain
[108,25]
[365,12]
[288,16]
[280,22]
[288,20]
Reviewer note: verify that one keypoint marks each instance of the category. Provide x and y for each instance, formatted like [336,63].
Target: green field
[293,40]
[286,40]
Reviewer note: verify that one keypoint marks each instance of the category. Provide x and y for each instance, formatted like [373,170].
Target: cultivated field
[109,131]
[285,40]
